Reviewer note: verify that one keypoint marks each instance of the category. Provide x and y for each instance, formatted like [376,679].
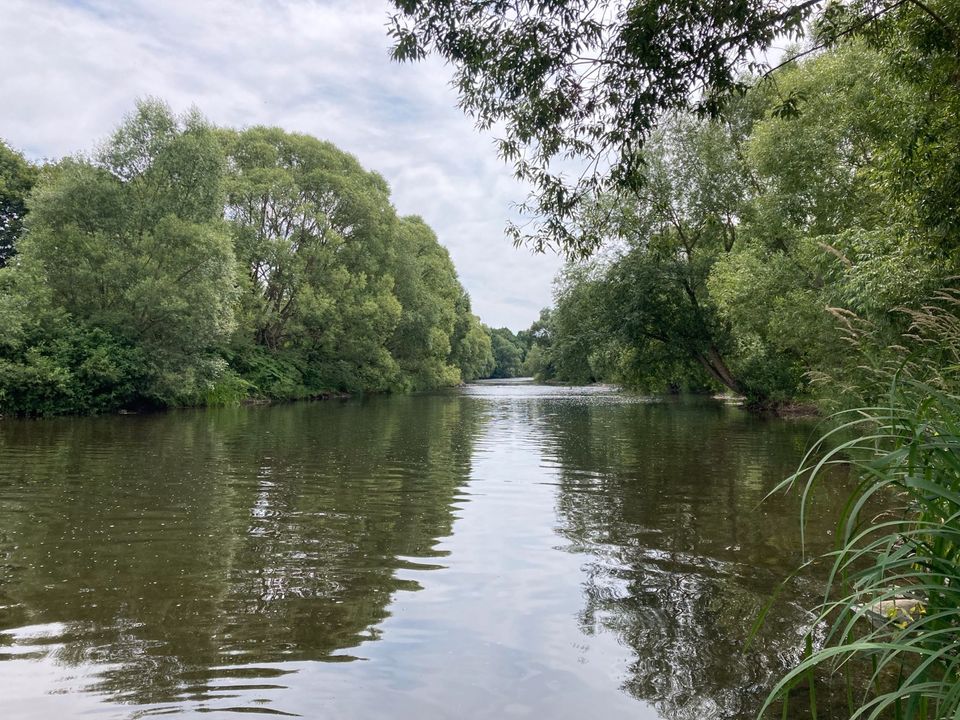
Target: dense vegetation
[785,233]
[17,177]
[509,352]
[753,239]
[741,209]
[892,598]
[186,264]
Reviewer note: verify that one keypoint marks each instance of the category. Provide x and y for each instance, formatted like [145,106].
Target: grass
[897,662]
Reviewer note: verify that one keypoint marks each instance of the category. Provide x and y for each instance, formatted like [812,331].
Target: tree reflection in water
[175,545]
[667,503]
[192,561]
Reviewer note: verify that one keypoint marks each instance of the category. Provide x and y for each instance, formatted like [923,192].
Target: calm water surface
[503,551]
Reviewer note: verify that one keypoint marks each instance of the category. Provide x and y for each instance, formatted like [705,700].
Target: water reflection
[573,552]
[667,502]
[170,546]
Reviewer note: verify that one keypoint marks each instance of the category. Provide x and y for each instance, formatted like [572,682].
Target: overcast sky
[72,69]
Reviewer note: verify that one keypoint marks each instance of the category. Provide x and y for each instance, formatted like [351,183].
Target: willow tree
[586,82]
[428,290]
[17,177]
[471,349]
[828,226]
[313,233]
[675,227]
[124,283]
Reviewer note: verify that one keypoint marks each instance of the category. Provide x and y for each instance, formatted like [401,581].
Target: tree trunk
[714,364]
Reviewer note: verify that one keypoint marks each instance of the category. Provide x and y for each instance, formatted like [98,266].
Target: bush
[79,370]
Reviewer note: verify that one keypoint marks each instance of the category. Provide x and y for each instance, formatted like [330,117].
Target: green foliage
[509,352]
[592,81]
[905,449]
[188,265]
[297,205]
[538,339]
[575,328]
[228,388]
[429,293]
[17,177]
[538,364]
[270,375]
[920,42]
[350,295]
[471,346]
[128,250]
[750,236]
[644,315]
[50,364]
[587,79]
[824,228]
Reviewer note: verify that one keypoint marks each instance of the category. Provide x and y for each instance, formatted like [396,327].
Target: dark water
[499,552]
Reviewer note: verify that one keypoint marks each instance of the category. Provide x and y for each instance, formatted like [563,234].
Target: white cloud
[72,69]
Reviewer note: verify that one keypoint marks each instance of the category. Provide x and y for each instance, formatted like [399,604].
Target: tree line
[739,221]
[185,264]
[759,241]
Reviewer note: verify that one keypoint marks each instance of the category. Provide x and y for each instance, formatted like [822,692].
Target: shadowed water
[502,551]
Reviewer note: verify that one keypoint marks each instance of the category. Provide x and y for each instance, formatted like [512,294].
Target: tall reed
[890,619]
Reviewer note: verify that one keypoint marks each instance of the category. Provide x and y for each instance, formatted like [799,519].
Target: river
[504,550]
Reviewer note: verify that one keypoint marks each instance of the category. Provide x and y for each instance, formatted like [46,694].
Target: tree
[750,235]
[313,231]
[471,347]
[588,81]
[17,177]
[681,220]
[919,42]
[428,291]
[538,339]
[578,331]
[183,264]
[129,250]
[827,226]
[508,353]
[300,210]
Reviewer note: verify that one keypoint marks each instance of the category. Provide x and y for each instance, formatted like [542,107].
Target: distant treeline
[184,264]
[778,251]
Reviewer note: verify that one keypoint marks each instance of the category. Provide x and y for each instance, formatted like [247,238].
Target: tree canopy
[756,238]
[17,177]
[578,86]
[183,264]
[509,353]
[125,277]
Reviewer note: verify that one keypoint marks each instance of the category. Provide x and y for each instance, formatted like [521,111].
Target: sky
[73,68]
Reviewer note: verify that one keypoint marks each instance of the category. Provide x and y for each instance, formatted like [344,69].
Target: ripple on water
[504,550]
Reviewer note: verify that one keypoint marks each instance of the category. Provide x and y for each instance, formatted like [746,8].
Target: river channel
[503,550]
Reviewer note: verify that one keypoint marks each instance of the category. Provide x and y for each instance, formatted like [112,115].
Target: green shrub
[227,389]
[79,370]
